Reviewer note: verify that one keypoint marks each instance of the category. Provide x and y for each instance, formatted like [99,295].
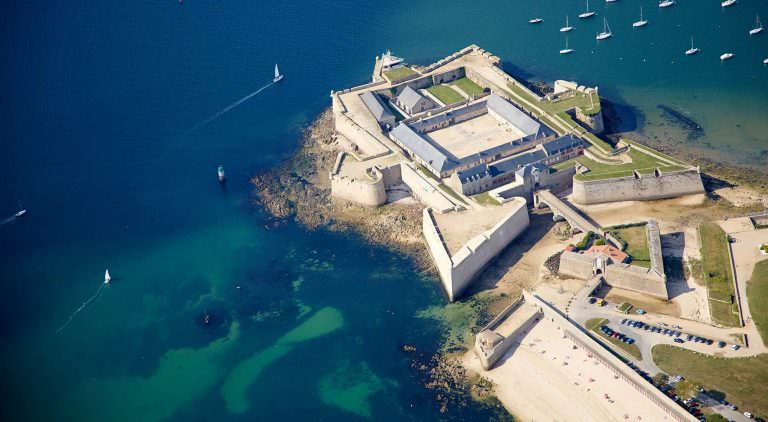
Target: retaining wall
[425,191]
[370,193]
[642,188]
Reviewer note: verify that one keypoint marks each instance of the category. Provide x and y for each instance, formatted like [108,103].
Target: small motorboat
[536,20]
[278,76]
[20,213]
[107,277]
[606,31]
[667,3]
[765,61]
[759,28]
[692,50]
[727,3]
[726,56]
[220,172]
[587,14]
[567,27]
[641,22]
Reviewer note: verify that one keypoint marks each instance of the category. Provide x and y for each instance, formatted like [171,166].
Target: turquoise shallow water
[98,102]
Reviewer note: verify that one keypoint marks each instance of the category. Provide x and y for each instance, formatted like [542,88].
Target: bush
[585,242]
[599,242]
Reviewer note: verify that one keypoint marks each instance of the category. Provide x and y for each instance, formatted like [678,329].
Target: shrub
[599,242]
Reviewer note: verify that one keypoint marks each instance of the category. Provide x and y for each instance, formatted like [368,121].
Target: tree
[716,417]
[660,378]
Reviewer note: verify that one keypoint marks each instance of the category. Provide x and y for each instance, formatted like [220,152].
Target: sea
[114,116]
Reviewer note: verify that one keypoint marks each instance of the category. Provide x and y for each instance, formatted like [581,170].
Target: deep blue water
[97,103]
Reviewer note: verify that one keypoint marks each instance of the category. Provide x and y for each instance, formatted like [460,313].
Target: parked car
[747,414]
[592,300]
[690,337]
[624,321]
[640,312]
[732,406]
[709,342]
[721,344]
[679,340]
[735,347]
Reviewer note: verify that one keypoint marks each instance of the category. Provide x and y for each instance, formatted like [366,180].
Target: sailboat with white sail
[666,3]
[759,28]
[278,76]
[692,50]
[566,50]
[567,27]
[641,22]
[587,14]
[107,277]
[606,31]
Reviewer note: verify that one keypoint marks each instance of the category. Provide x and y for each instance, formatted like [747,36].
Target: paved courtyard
[474,135]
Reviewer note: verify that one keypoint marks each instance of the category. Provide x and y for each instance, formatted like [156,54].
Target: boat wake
[229,107]
[8,220]
[82,307]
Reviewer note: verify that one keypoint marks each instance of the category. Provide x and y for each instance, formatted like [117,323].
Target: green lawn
[580,100]
[637,244]
[468,86]
[451,193]
[594,325]
[744,381]
[757,295]
[445,94]
[399,73]
[485,199]
[718,278]
[598,170]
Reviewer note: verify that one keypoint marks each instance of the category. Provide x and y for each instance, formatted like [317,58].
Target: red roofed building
[615,253]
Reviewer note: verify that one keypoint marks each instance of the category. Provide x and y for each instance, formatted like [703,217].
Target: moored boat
[20,213]
[107,277]
[567,27]
[727,3]
[587,14]
[666,3]
[536,20]
[606,31]
[759,28]
[566,50]
[641,22]
[692,50]
[726,56]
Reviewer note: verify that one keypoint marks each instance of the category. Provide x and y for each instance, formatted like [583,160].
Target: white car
[747,414]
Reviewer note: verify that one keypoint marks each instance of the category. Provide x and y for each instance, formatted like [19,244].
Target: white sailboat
[759,28]
[606,31]
[567,27]
[765,61]
[566,50]
[641,22]
[587,14]
[726,56]
[107,277]
[536,20]
[727,3]
[692,50]
[667,3]
[278,76]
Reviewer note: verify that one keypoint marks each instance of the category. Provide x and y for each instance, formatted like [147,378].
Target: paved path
[559,207]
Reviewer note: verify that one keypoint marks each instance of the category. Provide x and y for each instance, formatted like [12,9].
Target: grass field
[399,73]
[594,326]
[443,187]
[757,295]
[597,170]
[468,86]
[580,100]
[485,199]
[743,381]
[637,244]
[445,94]
[718,278]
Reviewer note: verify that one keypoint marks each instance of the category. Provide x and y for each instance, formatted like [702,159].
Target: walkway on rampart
[566,211]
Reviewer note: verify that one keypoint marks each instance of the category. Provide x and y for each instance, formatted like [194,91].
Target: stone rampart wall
[369,145]
[470,260]
[437,248]
[625,277]
[631,188]
[572,266]
[594,122]
[424,191]
[392,175]
[366,192]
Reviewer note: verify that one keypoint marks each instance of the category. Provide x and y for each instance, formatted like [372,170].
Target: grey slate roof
[376,107]
[561,144]
[480,170]
[421,147]
[516,161]
[409,98]
[513,115]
